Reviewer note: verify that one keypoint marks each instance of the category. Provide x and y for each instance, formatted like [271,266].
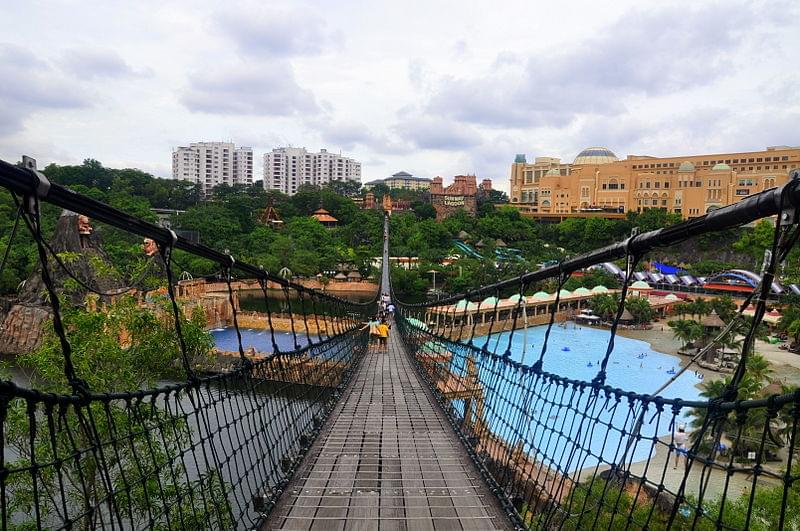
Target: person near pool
[680,437]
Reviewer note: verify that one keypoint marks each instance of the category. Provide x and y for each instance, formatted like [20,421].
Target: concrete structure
[211,163]
[459,195]
[402,180]
[288,168]
[598,183]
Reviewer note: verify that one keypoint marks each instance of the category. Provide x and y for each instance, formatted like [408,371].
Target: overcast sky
[433,88]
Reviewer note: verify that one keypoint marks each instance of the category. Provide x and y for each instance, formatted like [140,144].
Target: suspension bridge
[445,429]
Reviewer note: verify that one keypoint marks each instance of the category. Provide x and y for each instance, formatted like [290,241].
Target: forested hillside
[230,221]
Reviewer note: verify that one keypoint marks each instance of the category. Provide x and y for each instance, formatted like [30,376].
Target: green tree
[126,348]
[603,305]
[686,331]
[793,330]
[724,306]
[640,309]
[424,211]
[754,241]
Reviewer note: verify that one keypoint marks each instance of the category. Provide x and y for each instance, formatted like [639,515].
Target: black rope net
[578,453]
[127,418]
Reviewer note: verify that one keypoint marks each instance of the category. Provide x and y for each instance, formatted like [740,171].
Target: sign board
[454,200]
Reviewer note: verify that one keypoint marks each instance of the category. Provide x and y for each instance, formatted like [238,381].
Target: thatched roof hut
[627,317]
[713,320]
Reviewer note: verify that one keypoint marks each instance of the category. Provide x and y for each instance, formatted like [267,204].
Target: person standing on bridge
[372,324]
[383,335]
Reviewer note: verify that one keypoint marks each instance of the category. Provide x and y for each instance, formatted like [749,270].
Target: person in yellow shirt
[383,335]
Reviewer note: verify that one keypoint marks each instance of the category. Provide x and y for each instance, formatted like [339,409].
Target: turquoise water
[225,339]
[555,433]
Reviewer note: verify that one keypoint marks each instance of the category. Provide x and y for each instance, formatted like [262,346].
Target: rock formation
[23,321]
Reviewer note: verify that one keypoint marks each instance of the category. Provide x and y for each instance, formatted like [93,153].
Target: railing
[577,453]
[180,448]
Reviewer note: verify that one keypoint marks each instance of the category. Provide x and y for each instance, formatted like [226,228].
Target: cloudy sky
[434,88]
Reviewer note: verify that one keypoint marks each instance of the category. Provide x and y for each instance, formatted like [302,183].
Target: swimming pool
[555,434]
[225,339]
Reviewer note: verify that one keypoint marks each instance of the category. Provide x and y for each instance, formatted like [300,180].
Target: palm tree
[685,330]
[724,306]
[640,309]
[682,309]
[759,369]
[603,305]
[789,315]
[701,307]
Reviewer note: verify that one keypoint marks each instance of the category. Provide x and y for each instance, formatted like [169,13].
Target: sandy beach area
[785,365]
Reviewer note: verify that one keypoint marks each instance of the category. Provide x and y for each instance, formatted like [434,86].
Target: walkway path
[387,459]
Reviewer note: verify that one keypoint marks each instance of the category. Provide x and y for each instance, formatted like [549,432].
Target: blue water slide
[467,249]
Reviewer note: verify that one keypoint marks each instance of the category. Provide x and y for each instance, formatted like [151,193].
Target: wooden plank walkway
[388,459]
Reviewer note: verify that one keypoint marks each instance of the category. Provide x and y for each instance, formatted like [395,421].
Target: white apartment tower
[211,163]
[286,169]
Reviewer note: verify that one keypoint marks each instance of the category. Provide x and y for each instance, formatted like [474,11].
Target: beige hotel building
[599,184]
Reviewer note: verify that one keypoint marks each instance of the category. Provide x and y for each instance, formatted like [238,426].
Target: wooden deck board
[387,460]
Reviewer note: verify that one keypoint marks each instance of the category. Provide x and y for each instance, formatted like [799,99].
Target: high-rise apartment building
[690,185]
[288,168]
[211,163]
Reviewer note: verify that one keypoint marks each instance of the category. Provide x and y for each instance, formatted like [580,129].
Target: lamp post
[433,271]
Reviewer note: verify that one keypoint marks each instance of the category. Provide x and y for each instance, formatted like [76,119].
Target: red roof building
[324,217]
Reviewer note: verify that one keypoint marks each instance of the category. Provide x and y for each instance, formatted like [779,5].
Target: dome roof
[685,166]
[595,155]
[640,284]
[599,289]
[515,297]
[582,291]
[564,293]
[553,171]
[672,297]
[721,167]
[541,295]
[489,301]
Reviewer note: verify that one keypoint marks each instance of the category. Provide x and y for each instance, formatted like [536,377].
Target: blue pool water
[225,339]
[551,423]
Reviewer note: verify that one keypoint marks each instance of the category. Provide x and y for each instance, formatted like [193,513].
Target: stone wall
[22,328]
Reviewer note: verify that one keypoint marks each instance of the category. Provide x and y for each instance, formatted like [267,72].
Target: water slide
[467,249]
[503,254]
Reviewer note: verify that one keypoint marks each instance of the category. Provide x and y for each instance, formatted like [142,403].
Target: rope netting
[579,453]
[126,417]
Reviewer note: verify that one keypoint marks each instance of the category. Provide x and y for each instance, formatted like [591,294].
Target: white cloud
[30,87]
[248,89]
[409,85]
[93,63]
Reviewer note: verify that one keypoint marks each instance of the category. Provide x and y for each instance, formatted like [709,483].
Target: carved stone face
[150,247]
[84,227]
